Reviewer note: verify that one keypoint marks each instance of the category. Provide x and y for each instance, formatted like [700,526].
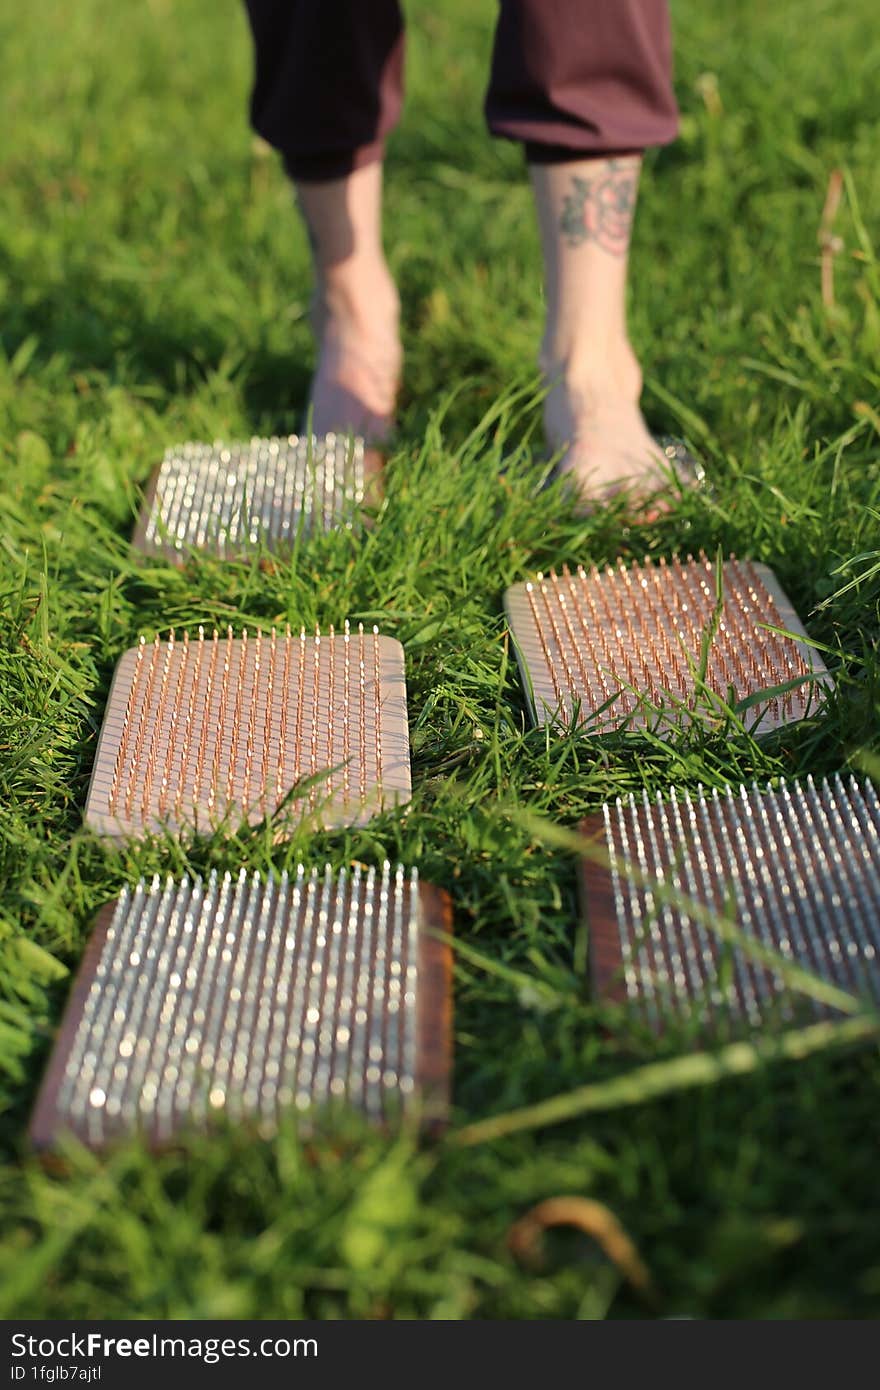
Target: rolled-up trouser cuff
[328,81]
[570,79]
[556,142]
[580,79]
[322,168]
[565,154]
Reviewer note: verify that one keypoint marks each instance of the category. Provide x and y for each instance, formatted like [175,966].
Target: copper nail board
[797,868]
[228,499]
[245,995]
[622,645]
[206,729]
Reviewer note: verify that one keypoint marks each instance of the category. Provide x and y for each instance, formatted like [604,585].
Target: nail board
[227,500]
[795,867]
[621,647]
[206,730]
[244,995]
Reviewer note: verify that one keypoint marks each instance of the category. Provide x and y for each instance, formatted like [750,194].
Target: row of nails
[239,676]
[800,861]
[238,494]
[634,626]
[247,993]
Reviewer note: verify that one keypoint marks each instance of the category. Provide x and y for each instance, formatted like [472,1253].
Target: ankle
[607,370]
[358,297]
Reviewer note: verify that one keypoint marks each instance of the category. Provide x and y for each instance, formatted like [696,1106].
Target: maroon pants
[570,78]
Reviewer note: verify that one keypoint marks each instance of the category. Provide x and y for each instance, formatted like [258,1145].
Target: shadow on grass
[110,327]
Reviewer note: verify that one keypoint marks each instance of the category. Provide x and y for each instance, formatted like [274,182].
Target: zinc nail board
[622,645]
[213,729]
[228,499]
[243,995]
[796,868]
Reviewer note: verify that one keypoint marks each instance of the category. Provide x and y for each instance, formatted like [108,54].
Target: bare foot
[354,389]
[592,412]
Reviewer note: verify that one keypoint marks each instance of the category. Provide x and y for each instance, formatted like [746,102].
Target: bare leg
[355,309]
[585,211]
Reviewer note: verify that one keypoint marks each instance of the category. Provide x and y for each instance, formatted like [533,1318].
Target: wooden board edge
[45,1125]
[374,485]
[93,819]
[434,1023]
[599,911]
[510,602]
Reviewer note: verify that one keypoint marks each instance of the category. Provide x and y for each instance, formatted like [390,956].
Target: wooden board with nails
[795,867]
[622,647]
[204,731]
[242,995]
[231,501]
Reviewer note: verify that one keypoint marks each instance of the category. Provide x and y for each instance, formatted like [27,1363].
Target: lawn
[154,286]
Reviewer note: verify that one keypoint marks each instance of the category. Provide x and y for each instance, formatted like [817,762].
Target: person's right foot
[354,389]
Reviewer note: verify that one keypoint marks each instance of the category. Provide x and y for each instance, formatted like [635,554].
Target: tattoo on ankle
[601,208]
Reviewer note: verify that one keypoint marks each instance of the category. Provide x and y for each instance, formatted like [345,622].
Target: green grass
[154,285]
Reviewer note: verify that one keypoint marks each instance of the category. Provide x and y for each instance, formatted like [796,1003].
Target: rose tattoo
[601,208]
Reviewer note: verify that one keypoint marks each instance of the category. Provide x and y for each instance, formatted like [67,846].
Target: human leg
[327,91]
[585,85]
